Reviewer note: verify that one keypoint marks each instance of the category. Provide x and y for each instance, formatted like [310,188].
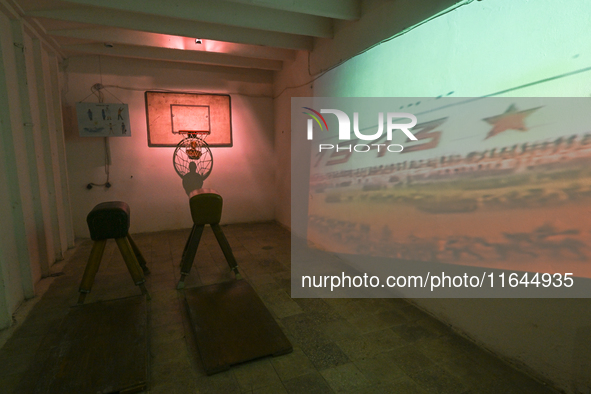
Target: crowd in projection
[530,180]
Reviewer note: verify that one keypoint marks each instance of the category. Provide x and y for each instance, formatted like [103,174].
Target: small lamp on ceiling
[198,41]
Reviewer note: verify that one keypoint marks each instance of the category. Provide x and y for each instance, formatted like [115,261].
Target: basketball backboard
[171,115]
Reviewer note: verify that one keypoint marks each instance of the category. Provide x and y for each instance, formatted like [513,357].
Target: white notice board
[103,120]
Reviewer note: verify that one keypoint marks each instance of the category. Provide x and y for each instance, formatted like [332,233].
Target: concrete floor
[340,345]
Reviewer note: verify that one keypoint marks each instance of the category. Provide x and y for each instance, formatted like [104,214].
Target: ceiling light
[198,41]
[108,45]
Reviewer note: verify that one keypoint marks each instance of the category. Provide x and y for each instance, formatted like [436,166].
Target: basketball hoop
[193,149]
[201,134]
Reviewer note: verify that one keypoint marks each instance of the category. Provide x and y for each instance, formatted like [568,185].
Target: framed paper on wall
[103,120]
[170,116]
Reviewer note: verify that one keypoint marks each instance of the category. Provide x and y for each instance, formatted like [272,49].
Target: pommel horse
[206,208]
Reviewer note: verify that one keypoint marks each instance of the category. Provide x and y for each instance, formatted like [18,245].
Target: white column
[46,147]
[12,185]
[40,229]
[61,149]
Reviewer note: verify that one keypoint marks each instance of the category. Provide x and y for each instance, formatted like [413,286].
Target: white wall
[479,49]
[288,83]
[34,227]
[11,292]
[549,338]
[144,177]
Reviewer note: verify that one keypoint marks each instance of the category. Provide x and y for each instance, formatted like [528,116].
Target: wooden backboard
[168,114]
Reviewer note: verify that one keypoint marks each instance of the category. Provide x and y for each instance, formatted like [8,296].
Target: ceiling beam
[14,11]
[337,9]
[11,10]
[177,27]
[224,13]
[175,55]
[133,37]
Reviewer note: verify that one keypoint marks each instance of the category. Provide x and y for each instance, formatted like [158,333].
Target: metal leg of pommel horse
[226,249]
[206,208]
[131,261]
[138,254]
[130,257]
[189,253]
[187,245]
[94,261]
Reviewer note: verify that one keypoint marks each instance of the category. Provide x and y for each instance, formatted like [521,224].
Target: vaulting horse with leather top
[206,208]
[231,323]
[111,220]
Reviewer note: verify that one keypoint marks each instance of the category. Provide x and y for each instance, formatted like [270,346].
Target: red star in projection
[512,119]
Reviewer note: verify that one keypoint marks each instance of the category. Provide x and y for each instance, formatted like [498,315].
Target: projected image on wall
[494,182]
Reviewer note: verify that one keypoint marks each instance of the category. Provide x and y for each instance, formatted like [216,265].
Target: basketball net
[194,147]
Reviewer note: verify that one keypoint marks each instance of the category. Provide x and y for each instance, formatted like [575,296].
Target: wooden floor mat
[100,348]
[232,325]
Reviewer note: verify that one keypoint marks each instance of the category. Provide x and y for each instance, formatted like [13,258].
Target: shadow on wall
[192,180]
